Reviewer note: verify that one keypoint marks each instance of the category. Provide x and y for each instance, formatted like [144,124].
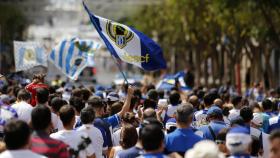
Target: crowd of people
[54,120]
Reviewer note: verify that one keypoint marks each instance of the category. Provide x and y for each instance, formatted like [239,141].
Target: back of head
[151,137]
[87,115]
[23,95]
[194,101]
[174,98]
[128,118]
[116,107]
[128,136]
[149,113]
[148,103]
[246,113]
[77,103]
[77,93]
[85,94]
[236,100]
[56,103]
[210,150]
[42,95]
[66,114]
[184,114]
[209,99]
[17,134]
[41,117]
[153,95]
[95,102]
[267,104]
[238,140]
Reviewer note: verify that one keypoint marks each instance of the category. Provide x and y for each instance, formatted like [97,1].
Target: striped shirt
[42,144]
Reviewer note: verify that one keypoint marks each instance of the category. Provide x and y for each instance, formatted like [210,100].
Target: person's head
[153,95]
[97,104]
[87,115]
[85,94]
[152,138]
[17,135]
[256,107]
[208,99]
[221,140]
[236,100]
[238,140]
[116,108]
[184,114]
[39,77]
[274,140]
[112,98]
[77,103]
[194,101]
[42,95]
[148,103]
[214,113]
[246,113]
[218,102]
[174,98]
[41,118]
[23,95]
[149,113]
[210,150]
[67,116]
[160,94]
[56,103]
[129,118]
[77,93]
[128,136]
[267,105]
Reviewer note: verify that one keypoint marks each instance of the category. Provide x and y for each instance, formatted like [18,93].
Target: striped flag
[71,56]
[28,55]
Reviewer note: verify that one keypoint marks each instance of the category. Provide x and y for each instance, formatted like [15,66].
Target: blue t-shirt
[130,153]
[273,123]
[159,155]
[181,140]
[216,127]
[240,156]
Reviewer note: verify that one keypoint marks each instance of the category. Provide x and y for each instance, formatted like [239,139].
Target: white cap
[210,150]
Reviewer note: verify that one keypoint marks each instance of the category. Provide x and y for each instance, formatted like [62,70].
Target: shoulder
[274,120]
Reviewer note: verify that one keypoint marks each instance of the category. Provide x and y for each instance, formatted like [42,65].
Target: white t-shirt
[233,113]
[73,139]
[20,154]
[23,110]
[96,138]
[57,124]
[116,137]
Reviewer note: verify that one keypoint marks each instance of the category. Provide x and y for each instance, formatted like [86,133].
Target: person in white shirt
[71,137]
[87,118]
[22,107]
[17,139]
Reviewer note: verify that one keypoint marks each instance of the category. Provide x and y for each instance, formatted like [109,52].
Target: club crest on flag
[118,33]
[28,55]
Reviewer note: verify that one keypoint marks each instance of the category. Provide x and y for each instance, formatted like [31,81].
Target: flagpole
[120,69]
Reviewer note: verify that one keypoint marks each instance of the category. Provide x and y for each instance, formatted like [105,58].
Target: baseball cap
[214,110]
[113,96]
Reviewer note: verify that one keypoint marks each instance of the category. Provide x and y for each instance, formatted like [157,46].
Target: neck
[182,125]
[68,127]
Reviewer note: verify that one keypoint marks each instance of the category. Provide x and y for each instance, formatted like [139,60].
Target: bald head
[194,101]
[218,102]
[149,113]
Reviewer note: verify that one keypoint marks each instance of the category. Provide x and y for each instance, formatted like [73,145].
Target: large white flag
[28,55]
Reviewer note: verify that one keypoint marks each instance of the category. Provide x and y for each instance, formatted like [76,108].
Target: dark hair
[174,98]
[255,146]
[17,134]
[152,94]
[148,103]
[56,103]
[77,93]
[161,94]
[235,100]
[77,103]
[129,118]
[40,117]
[42,95]
[267,104]
[116,107]
[221,136]
[23,95]
[246,113]
[87,115]
[128,136]
[66,114]
[85,94]
[184,113]
[150,86]
[151,137]
[209,99]
[95,102]
[274,135]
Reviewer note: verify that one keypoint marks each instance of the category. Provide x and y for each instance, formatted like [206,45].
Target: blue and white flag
[71,56]
[29,54]
[128,44]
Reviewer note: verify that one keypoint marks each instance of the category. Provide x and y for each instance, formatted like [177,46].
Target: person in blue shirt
[183,138]
[238,142]
[215,116]
[273,123]
[152,140]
